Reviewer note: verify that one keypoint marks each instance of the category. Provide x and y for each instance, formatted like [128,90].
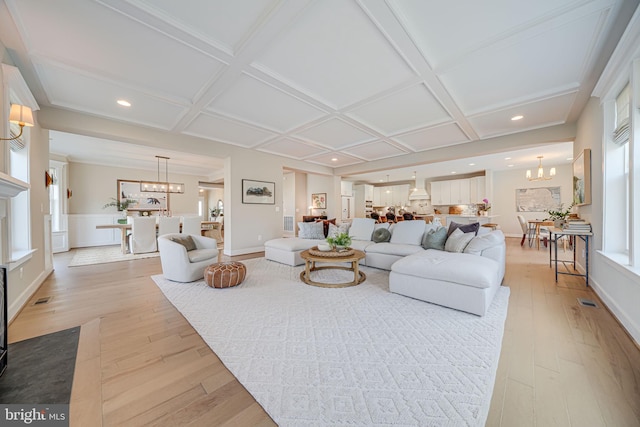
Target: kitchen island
[468,219]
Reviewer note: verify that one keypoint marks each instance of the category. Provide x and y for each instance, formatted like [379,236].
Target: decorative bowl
[324,247]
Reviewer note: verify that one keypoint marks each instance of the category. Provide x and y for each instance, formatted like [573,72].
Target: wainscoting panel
[83,232]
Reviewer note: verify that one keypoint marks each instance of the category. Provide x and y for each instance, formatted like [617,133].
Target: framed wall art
[258,192]
[538,199]
[582,178]
[319,200]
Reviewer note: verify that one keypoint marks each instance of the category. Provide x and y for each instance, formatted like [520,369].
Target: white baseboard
[21,301]
[626,321]
[245,251]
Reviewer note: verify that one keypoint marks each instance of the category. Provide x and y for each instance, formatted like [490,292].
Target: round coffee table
[352,256]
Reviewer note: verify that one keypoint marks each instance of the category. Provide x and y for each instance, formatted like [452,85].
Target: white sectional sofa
[466,280]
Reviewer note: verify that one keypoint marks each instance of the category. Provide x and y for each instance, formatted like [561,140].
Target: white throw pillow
[362,228]
[484,241]
[408,232]
[334,230]
[458,240]
[311,230]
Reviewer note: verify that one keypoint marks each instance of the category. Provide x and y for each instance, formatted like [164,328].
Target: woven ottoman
[225,274]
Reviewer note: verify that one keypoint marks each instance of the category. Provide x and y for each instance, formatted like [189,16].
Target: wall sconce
[21,115]
[48,179]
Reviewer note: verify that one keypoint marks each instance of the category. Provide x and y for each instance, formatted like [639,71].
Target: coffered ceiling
[331,82]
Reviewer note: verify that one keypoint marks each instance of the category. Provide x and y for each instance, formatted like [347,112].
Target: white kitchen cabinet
[477,187]
[368,192]
[436,192]
[387,195]
[400,194]
[459,192]
[377,196]
[346,188]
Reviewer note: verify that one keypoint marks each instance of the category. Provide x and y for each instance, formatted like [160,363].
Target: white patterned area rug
[354,356]
[104,254]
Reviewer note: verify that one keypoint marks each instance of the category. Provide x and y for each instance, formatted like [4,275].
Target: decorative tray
[332,253]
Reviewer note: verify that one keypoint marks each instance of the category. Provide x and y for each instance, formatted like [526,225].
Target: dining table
[206,227]
[535,224]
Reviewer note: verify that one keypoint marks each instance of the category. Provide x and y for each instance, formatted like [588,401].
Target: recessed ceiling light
[335,159]
[569,158]
[507,158]
[124,103]
[454,172]
[382,180]
[509,166]
[518,117]
[472,164]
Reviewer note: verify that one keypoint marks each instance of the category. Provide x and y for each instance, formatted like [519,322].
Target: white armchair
[182,265]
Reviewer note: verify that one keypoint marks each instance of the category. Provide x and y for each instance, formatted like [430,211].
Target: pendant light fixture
[541,176]
[162,186]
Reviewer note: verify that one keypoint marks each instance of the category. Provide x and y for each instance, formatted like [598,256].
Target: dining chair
[143,235]
[168,224]
[192,225]
[527,230]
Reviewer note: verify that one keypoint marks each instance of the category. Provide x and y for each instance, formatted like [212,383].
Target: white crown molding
[616,73]
[18,88]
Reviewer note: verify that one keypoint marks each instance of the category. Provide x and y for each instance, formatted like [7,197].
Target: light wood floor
[140,362]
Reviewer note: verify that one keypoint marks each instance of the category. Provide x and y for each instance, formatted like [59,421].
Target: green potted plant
[341,241]
[121,205]
[560,215]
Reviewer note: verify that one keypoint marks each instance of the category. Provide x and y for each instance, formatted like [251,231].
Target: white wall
[505,184]
[616,285]
[94,185]
[248,226]
[325,184]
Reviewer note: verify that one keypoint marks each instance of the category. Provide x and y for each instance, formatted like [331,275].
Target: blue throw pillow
[435,239]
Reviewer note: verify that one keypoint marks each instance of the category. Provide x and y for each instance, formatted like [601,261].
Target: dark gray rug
[40,370]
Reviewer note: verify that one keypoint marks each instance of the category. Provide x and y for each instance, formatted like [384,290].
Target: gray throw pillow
[381,235]
[435,239]
[185,241]
[311,230]
[458,240]
[465,228]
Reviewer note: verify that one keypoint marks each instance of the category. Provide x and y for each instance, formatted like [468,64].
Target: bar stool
[491,225]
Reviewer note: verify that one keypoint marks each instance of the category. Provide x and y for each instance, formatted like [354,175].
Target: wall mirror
[141,201]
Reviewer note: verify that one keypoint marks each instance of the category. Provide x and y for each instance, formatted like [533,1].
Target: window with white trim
[20,225]
[621,236]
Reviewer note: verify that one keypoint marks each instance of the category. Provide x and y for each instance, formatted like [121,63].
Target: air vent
[44,300]
[587,302]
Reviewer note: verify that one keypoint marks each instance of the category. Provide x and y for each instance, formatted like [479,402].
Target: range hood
[10,186]
[419,194]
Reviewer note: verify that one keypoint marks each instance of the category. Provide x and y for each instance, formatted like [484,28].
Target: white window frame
[19,244]
[621,233]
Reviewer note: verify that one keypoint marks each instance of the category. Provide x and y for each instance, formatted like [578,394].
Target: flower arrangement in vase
[485,208]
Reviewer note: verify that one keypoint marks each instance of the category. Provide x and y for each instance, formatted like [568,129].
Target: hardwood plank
[559,361]
[86,393]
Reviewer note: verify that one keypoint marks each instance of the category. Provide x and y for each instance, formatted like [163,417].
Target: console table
[555,234]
